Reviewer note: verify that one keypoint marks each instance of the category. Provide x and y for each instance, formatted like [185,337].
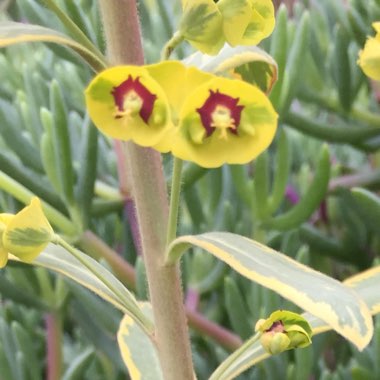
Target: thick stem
[122,32]
[164,281]
[53,325]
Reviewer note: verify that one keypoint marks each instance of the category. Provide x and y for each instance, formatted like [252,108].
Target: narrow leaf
[322,296]
[14,32]
[253,64]
[366,284]
[59,260]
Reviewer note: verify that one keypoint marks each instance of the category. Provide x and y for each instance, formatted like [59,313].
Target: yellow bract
[242,124]
[178,81]
[25,234]
[369,58]
[284,330]
[202,25]
[195,115]
[208,25]
[126,103]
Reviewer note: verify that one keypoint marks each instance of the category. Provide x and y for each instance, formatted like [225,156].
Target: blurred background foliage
[296,197]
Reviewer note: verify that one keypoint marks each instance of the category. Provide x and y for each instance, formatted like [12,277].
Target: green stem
[45,285]
[174,200]
[24,195]
[171,45]
[366,116]
[225,371]
[105,191]
[75,31]
[137,314]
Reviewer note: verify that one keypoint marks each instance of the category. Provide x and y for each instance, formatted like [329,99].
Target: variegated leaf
[366,284]
[322,296]
[252,63]
[16,32]
[110,289]
[137,350]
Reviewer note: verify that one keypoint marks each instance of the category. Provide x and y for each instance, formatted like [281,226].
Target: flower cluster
[25,234]
[369,58]
[171,107]
[209,24]
[284,330]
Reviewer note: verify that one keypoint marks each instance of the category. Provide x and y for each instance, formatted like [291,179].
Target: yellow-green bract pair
[195,115]
[284,330]
[369,59]
[207,25]
[25,234]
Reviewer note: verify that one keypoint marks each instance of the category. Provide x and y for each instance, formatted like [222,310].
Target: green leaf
[312,198]
[368,207]
[252,63]
[366,284]
[324,297]
[59,260]
[236,309]
[295,64]
[138,352]
[61,143]
[77,367]
[14,32]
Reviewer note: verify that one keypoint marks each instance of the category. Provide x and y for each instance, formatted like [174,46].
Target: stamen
[220,111]
[221,119]
[133,98]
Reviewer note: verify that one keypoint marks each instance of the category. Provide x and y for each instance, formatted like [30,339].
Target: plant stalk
[53,325]
[122,31]
[126,274]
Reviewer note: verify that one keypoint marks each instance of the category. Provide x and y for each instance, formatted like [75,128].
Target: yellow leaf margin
[322,296]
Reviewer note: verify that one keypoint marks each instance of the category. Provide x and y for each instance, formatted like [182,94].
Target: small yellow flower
[284,330]
[126,103]
[25,234]
[369,57]
[224,121]
[207,25]
[202,25]
[246,22]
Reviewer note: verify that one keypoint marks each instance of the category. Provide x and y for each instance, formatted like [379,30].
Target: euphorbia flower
[224,121]
[369,58]
[126,103]
[25,234]
[284,330]
[208,24]
[202,25]
[246,22]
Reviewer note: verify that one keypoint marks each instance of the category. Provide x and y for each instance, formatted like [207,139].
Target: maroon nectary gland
[218,99]
[147,97]
[277,326]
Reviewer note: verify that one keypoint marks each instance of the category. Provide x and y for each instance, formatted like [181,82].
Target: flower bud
[284,330]
[25,234]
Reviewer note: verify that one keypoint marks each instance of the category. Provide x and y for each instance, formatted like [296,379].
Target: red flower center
[132,97]
[220,111]
[277,326]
